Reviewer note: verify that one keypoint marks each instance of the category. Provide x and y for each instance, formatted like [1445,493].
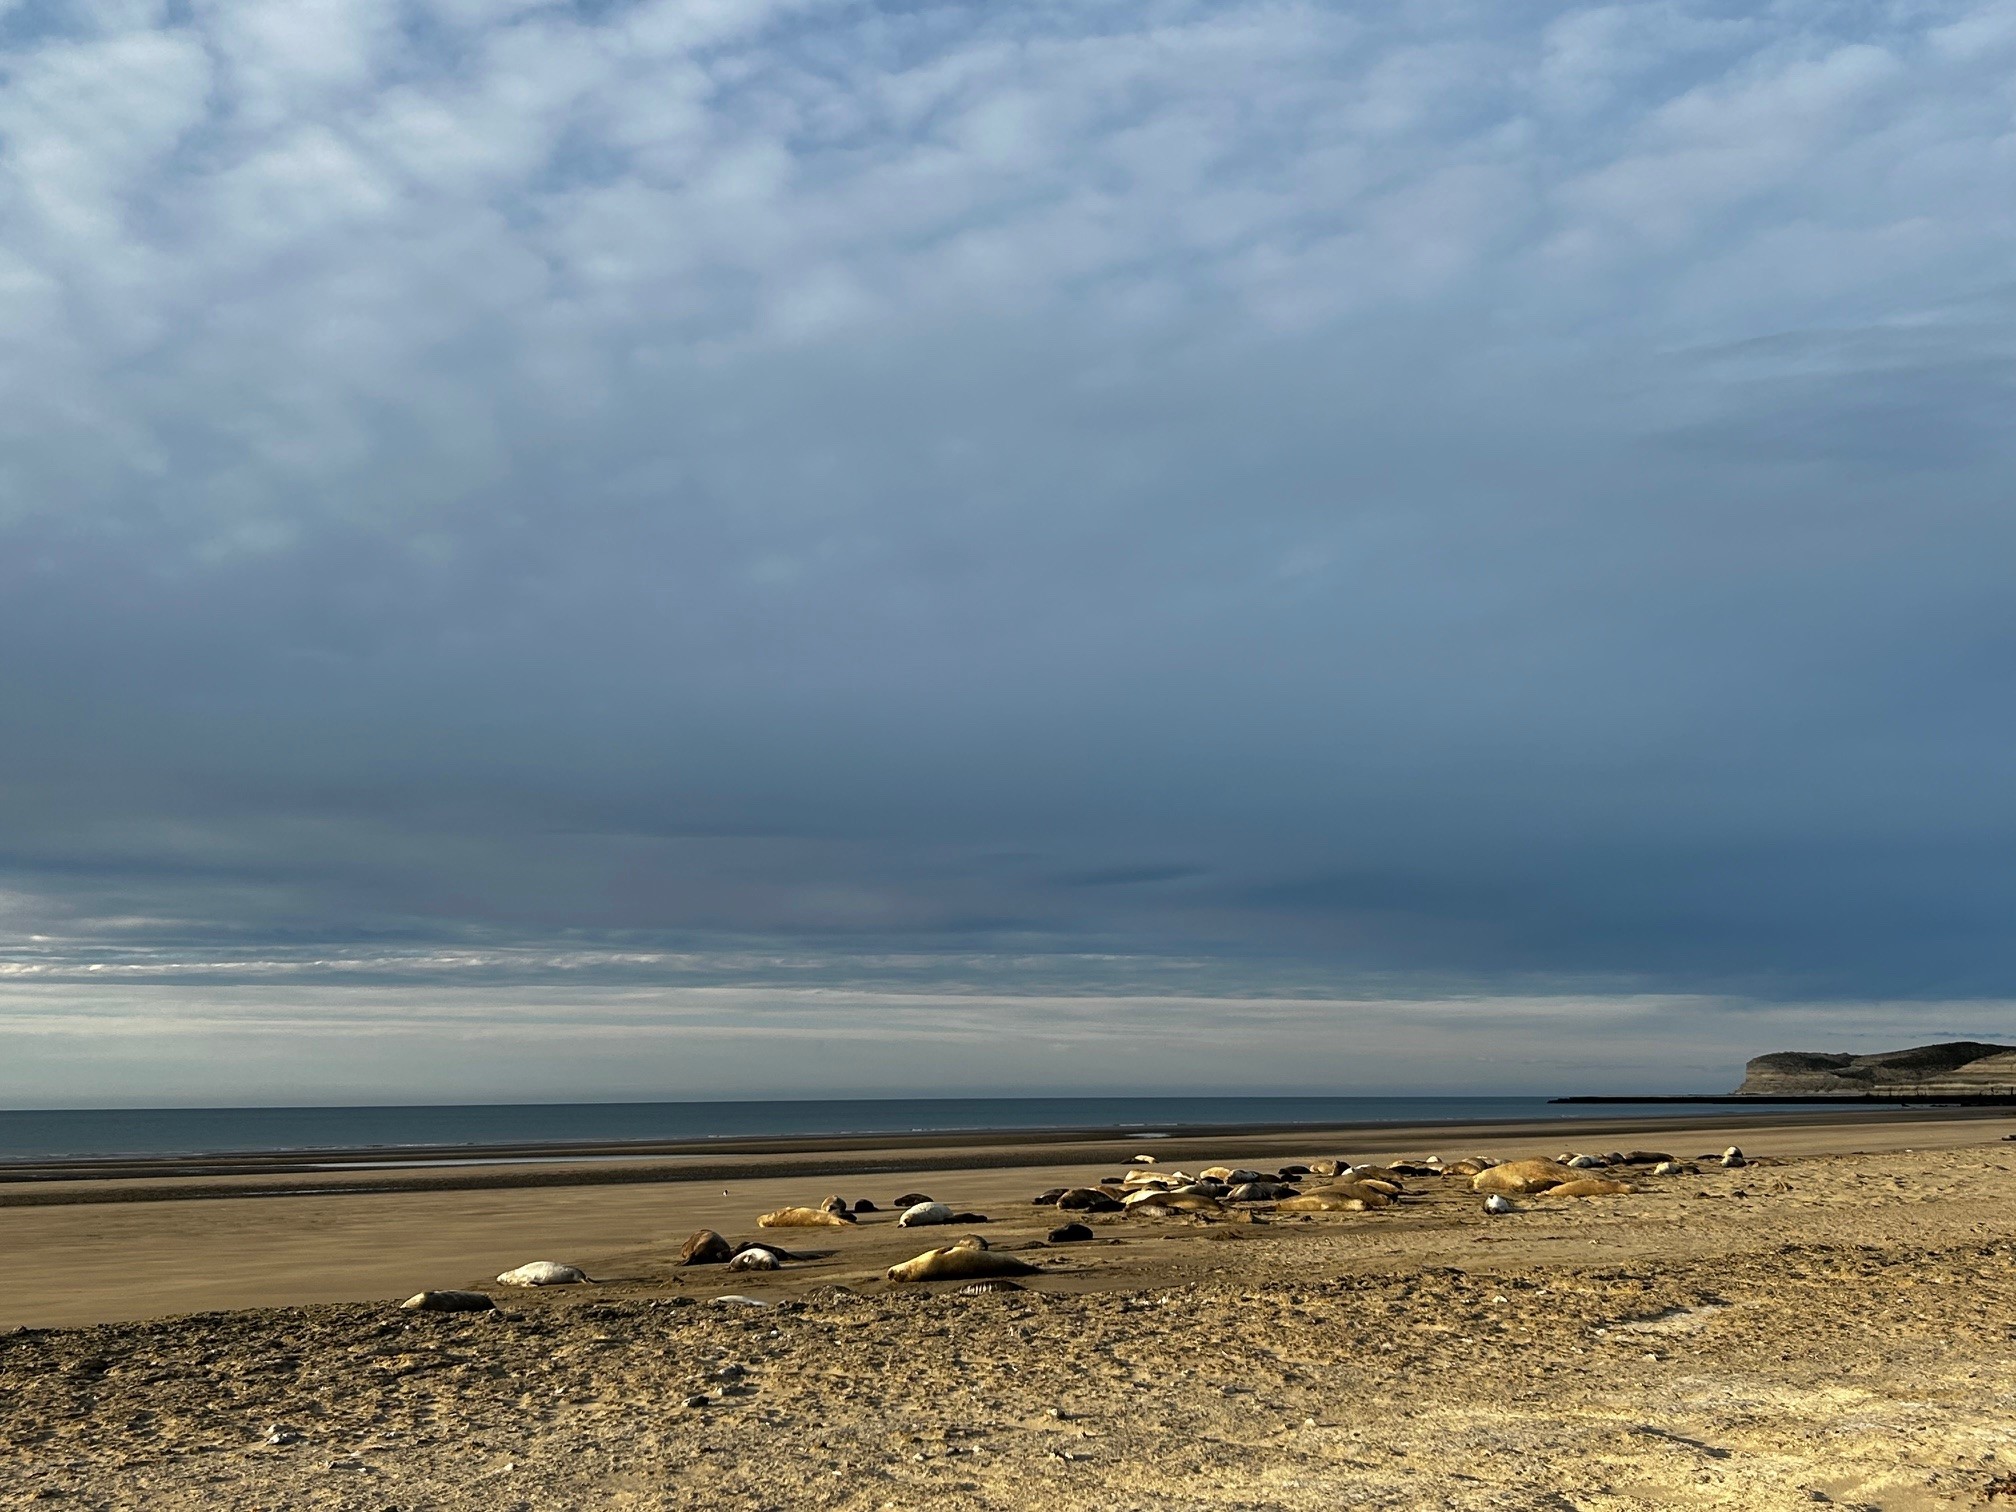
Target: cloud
[1499,498]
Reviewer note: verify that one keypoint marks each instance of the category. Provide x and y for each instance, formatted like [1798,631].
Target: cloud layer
[1362,505]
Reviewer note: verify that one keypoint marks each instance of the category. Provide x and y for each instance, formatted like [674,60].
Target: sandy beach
[1826,1324]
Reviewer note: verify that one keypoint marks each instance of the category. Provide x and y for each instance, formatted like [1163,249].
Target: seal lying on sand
[1345,1197]
[804,1217]
[1523,1177]
[1590,1186]
[909,1199]
[1261,1191]
[959,1263]
[1153,1203]
[544,1273]
[448,1301]
[1069,1233]
[705,1247]
[920,1214]
[755,1258]
[1087,1200]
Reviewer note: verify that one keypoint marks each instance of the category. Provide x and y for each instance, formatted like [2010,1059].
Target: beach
[1828,1323]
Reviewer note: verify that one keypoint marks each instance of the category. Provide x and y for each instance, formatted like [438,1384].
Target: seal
[1522,1177]
[1047,1199]
[1069,1233]
[755,1258]
[1344,1197]
[1232,1175]
[804,1217]
[1325,1167]
[958,1263]
[909,1199]
[544,1273]
[448,1301]
[1261,1191]
[917,1215]
[865,1206]
[1590,1186]
[1497,1205]
[836,1205]
[1669,1168]
[1153,1203]
[1087,1200]
[705,1247]
[1142,1159]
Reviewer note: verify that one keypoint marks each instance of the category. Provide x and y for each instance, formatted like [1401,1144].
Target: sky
[710,548]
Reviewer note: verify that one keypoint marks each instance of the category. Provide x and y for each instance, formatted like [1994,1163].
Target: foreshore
[1826,1319]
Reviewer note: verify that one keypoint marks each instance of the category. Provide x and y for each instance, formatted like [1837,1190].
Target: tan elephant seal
[1344,1197]
[959,1263]
[836,1205]
[1325,1167]
[804,1217]
[1590,1186]
[1523,1177]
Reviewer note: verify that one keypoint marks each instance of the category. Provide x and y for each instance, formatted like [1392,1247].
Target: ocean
[41,1135]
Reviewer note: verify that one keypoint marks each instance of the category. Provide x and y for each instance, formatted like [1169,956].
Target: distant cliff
[1963,1066]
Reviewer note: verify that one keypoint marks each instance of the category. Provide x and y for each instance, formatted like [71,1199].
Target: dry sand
[1830,1326]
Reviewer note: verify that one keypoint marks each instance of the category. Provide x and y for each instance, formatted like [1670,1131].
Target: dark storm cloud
[1443,499]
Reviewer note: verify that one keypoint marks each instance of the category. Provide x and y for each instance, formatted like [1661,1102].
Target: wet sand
[1832,1323]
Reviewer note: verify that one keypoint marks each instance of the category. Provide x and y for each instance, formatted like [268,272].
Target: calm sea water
[191,1131]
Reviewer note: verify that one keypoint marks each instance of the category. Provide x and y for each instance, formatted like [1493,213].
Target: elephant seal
[1290,1172]
[1049,1198]
[1087,1200]
[922,1213]
[835,1205]
[1177,1202]
[1585,1162]
[755,1258]
[958,1263]
[909,1200]
[1325,1167]
[1261,1191]
[1497,1205]
[1069,1233]
[448,1301]
[1590,1186]
[1669,1168]
[1142,1159]
[1231,1175]
[705,1247]
[1522,1177]
[1734,1162]
[1345,1197]
[544,1273]
[1645,1157]
[804,1217]
[1378,1173]
[865,1206]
